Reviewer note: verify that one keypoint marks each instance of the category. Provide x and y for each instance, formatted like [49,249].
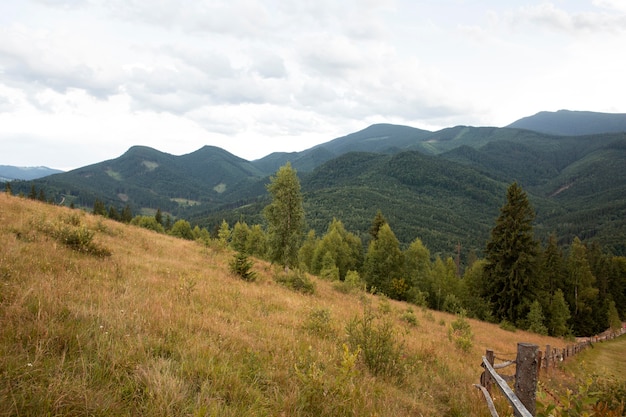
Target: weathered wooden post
[548,359]
[485,379]
[526,375]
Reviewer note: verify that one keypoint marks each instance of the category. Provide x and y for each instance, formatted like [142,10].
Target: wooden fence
[529,362]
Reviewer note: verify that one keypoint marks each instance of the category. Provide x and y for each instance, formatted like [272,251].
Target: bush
[508,326]
[241,266]
[318,323]
[409,317]
[296,280]
[381,352]
[460,333]
[350,284]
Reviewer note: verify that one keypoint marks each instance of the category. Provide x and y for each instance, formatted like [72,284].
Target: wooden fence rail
[529,362]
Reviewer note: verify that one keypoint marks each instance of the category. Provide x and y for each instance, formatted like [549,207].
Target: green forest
[549,287]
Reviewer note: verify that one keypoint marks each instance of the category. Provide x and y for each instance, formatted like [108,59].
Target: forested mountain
[10,173]
[570,123]
[444,187]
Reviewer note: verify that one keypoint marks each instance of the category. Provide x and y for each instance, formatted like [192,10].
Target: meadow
[102,318]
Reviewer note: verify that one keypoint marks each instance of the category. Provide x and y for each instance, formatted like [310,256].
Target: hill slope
[573,123]
[576,183]
[10,173]
[153,325]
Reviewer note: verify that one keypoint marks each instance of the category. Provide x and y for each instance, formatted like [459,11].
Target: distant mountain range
[445,187]
[10,173]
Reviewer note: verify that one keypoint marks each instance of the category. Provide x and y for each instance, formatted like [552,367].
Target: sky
[81,81]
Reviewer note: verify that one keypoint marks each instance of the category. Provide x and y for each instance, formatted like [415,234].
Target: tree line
[519,282]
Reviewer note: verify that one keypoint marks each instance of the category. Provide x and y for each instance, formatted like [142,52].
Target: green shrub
[508,326]
[241,266]
[376,339]
[296,280]
[318,322]
[460,332]
[409,317]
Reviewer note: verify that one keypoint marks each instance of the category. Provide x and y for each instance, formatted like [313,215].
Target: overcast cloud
[81,81]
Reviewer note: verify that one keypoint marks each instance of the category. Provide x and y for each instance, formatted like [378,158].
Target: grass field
[100,318]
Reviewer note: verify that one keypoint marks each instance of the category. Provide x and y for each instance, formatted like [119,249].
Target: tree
[284,216]
[340,248]
[256,244]
[536,319]
[511,256]
[159,216]
[127,214]
[99,208]
[417,265]
[377,223]
[559,315]
[239,236]
[383,261]
[224,233]
[7,188]
[181,229]
[582,293]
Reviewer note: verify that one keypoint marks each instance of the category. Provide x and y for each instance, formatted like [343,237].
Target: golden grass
[160,327]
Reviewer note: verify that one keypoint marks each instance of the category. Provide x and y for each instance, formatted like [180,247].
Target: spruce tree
[377,223]
[511,256]
[285,217]
[383,261]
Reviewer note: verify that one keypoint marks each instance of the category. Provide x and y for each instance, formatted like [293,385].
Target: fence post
[548,358]
[487,382]
[526,375]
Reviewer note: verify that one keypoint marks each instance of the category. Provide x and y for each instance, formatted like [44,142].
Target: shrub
[409,317]
[460,333]
[376,338]
[351,283]
[318,323]
[296,280]
[241,266]
[508,326]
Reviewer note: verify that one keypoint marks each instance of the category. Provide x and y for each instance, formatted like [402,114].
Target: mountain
[573,123]
[148,179]
[378,138]
[444,187]
[10,173]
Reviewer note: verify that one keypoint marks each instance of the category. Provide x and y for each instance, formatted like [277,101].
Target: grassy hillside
[101,318]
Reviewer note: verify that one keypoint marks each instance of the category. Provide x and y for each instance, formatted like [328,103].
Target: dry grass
[160,327]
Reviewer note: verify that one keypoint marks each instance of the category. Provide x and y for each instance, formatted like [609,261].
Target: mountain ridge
[463,172]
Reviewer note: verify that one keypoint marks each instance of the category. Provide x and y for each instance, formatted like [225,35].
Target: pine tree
[511,256]
[159,217]
[285,217]
[127,214]
[224,234]
[383,261]
[377,223]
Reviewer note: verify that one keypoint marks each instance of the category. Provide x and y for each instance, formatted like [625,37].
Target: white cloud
[257,76]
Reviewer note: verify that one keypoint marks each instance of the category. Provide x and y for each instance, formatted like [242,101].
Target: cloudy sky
[83,80]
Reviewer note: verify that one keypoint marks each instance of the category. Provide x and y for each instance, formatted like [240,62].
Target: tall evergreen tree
[127,214]
[99,208]
[511,258]
[377,223]
[559,315]
[285,217]
[383,261]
